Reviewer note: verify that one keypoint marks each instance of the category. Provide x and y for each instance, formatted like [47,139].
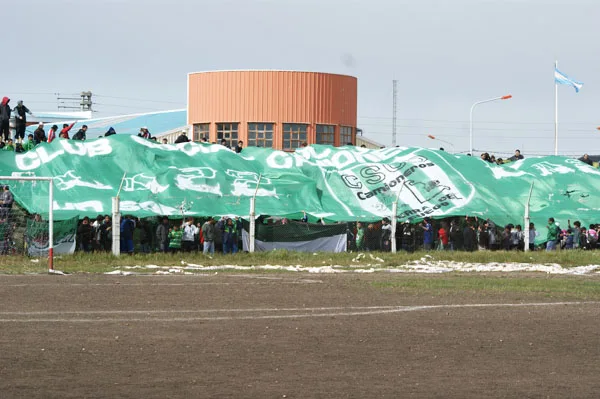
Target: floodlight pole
[506,97]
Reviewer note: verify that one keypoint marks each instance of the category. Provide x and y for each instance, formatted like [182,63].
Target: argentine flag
[562,79]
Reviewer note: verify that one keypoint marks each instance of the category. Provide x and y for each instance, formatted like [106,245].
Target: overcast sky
[446,55]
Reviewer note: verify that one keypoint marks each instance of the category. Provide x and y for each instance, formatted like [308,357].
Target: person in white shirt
[190,232]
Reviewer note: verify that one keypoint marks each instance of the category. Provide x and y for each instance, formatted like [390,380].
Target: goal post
[6,210]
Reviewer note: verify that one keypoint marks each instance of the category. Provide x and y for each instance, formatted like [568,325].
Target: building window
[227,132]
[294,135]
[346,136]
[260,135]
[326,134]
[201,131]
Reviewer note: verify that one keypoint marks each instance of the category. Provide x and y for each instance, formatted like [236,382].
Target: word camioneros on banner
[338,184]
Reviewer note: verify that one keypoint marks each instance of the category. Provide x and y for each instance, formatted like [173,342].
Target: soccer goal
[27,225]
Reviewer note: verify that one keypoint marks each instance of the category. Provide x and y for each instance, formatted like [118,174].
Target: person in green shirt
[553,234]
[360,237]
[29,144]
[10,146]
[175,236]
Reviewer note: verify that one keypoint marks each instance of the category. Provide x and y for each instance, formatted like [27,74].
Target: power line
[479,128]
[128,106]
[140,99]
[575,137]
[478,122]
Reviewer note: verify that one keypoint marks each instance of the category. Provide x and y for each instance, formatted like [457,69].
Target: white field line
[117,284]
[325,312]
[261,280]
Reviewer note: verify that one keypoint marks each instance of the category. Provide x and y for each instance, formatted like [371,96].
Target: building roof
[49,117]
[156,122]
[368,142]
[272,70]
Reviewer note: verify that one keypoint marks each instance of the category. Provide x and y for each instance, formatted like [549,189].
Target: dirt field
[286,336]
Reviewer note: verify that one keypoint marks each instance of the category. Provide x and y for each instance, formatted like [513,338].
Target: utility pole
[395,95]
[84,99]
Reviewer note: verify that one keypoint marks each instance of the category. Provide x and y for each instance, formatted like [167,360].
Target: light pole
[432,137]
[471,117]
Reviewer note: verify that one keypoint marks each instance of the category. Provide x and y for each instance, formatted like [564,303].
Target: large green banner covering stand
[338,184]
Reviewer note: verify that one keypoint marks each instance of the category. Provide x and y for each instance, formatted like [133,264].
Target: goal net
[27,228]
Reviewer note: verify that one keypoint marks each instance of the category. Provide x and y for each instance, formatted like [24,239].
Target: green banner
[338,184]
[64,232]
[295,231]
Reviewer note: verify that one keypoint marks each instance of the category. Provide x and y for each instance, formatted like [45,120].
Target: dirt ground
[286,336]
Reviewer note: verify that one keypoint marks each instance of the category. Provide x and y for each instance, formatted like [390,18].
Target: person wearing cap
[145,133]
[5,111]
[209,233]
[21,112]
[40,134]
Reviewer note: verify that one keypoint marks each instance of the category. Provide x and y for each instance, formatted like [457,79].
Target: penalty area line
[295,313]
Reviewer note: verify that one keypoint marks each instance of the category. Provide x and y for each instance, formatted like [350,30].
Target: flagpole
[555,111]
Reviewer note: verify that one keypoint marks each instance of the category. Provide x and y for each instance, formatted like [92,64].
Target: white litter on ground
[426,264]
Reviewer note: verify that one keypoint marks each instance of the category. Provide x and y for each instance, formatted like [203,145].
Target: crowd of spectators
[499,161]
[469,234]
[168,236]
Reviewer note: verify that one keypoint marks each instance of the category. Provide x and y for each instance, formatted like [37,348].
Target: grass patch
[102,262]
[549,286]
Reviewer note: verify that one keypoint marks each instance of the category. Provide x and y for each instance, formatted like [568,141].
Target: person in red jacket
[443,236]
[64,133]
